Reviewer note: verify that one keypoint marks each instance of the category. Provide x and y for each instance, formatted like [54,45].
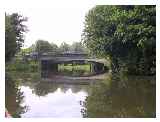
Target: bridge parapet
[68,57]
[64,54]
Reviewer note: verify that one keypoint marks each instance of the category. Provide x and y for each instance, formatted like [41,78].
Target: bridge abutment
[48,67]
[97,67]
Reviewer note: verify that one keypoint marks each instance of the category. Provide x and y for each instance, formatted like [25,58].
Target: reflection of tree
[74,88]
[43,88]
[14,98]
[121,99]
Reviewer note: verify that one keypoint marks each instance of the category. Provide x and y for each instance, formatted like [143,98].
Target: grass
[21,66]
[23,71]
[75,70]
[85,67]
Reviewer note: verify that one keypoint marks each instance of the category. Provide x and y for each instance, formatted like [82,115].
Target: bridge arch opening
[52,64]
[74,68]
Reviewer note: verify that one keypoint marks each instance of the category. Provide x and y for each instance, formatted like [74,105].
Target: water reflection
[114,97]
[58,102]
[14,98]
[121,98]
[43,88]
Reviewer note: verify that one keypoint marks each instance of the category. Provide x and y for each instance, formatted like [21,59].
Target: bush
[22,66]
[33,67]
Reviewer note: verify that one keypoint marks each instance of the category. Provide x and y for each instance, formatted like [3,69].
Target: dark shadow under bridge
[49,62]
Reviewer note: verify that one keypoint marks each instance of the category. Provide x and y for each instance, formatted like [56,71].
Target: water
[131,97]
[45,99]
[134,97]
[54,104]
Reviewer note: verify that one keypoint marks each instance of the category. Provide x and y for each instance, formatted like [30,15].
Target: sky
[54,24]
[54,20]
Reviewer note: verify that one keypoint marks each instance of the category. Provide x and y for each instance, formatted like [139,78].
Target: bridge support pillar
[44,68]
[98,67]
[48,67]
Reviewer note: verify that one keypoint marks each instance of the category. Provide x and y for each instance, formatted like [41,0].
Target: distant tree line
[124,34]
[42,46]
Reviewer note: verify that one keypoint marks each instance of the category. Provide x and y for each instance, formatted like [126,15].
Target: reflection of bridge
[49,63]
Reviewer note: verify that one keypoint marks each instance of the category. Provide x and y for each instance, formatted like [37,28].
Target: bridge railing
[63,55]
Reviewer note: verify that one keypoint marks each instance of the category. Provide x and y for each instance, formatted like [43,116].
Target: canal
[112,97]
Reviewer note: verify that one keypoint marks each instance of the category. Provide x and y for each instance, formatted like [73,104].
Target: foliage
[43,46]
[126,34]
[54,48]
[64,47]
[14,97]
[131,97]
[29,49]
[14,34]
[77,47]
[20,66]
[74,70]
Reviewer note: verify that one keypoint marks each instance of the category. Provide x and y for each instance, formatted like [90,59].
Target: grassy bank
[23,71]
[21,66]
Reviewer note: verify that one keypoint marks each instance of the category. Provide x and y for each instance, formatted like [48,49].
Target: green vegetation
[14,34]
[132,97]
[125,34]
[14,97]
[64,47]
[14,39]
[75,69]
[21,66]
[43,46]
[69,67]
[21,71]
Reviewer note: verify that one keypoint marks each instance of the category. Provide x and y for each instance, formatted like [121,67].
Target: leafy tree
[28,50]
[14,34]
[43,46]
[32,48]
[77,47]
[64,47]
[125,34]
[54,47]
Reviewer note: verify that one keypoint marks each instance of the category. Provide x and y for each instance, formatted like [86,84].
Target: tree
[77,47]
[43,46]
[54,47]
[125,34]
[14,34]
[64,47]
[29,50]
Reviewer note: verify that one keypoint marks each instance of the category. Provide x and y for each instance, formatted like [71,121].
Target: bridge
[49,62]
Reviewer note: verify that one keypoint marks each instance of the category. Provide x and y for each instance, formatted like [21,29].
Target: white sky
[54,24]
[55,20]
